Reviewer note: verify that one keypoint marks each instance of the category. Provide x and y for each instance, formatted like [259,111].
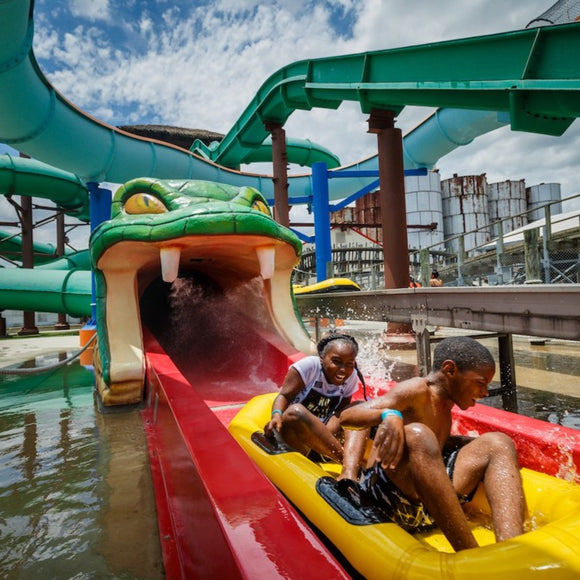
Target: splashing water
[568,470]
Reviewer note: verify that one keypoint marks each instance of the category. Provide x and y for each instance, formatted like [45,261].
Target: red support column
[62,323]
[280,179]
[28,317]
[393,215]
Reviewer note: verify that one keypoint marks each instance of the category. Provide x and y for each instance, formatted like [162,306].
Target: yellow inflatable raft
[327,286]
[377,549]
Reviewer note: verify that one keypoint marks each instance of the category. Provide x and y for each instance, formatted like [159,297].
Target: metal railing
[544,251]
[529,255]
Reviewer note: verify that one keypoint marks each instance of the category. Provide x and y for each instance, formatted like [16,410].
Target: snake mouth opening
[233,274]
[168,307]
[211,288]
[203,327]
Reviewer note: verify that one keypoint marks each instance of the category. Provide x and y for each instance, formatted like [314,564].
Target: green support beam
[534,75]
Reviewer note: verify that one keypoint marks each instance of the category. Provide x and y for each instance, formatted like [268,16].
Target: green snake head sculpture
[164,229]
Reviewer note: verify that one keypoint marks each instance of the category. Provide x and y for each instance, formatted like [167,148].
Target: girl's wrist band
[274,411]
[387,412]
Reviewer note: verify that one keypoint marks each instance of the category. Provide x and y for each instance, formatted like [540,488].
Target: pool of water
[59,485]
[546,406]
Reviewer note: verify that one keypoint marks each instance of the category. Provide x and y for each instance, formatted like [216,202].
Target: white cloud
[90,9]
[394,23]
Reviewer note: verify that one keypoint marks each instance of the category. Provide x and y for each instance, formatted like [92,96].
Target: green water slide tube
[61,285]
[300,151]
[61,291]
[79,260]
[34,114]
[28,177]
[45,256]
[22,176]
[11,248]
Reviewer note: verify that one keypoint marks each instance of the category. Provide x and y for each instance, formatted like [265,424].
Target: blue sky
[197,64]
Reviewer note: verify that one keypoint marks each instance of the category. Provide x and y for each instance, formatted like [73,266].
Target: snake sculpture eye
[141,203]
[259,205]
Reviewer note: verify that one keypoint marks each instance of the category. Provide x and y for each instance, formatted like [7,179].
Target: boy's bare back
[414,451]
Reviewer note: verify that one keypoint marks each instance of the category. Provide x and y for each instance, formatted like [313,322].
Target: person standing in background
[435,281]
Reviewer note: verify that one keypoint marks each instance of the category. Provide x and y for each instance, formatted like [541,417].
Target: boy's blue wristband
[388,412]
[274,411]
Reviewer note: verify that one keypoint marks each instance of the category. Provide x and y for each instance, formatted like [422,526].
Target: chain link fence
[546,251]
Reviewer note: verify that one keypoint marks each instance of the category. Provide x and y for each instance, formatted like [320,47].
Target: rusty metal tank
[507,199]
[424,210]
[540,195]
[465,209]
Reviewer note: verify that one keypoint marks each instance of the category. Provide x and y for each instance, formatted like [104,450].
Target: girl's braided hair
[322,347]
[323,343]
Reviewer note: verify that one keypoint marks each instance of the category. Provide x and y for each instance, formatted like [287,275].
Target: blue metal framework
[100,203]
[322,209]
